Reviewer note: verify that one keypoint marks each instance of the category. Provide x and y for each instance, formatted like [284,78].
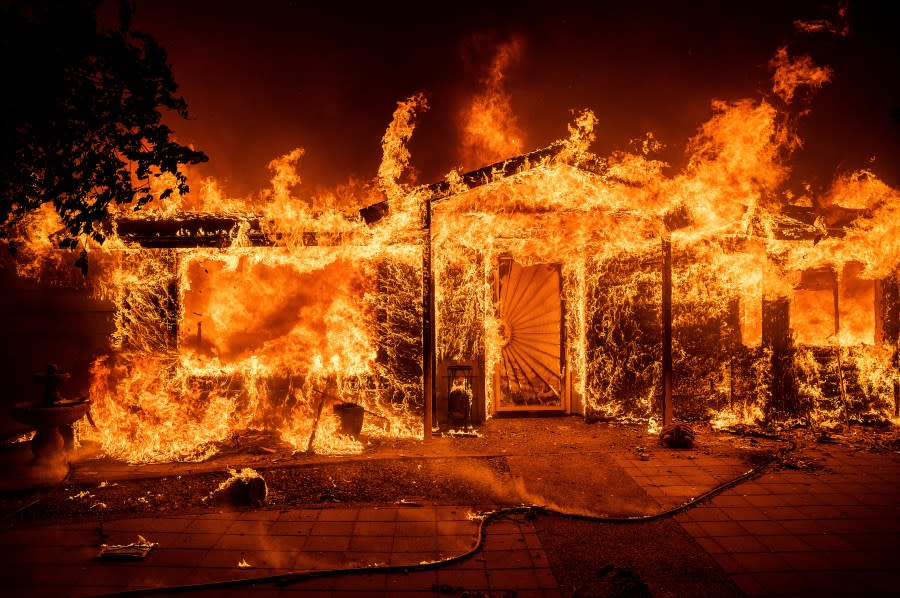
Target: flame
[490,129]
[301,306]
[35,254]
[395,154]
[792,74]
[837,25]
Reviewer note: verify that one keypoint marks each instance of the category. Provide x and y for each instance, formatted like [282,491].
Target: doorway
[530,374]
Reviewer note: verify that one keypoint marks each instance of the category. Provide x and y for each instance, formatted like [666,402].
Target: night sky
[264,78]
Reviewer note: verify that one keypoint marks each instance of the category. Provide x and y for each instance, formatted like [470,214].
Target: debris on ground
[245,488]
[469,472]
[243,564]
[787,460]
[825,438]
[134,551]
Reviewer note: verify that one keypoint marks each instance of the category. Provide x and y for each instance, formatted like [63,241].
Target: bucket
[350,419]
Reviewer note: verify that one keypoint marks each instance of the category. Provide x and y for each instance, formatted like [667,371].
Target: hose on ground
[485,518]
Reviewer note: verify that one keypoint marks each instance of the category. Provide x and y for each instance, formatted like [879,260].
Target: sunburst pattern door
[530,309]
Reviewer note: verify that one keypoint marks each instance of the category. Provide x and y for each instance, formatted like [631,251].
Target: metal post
[667,332]
[427,325]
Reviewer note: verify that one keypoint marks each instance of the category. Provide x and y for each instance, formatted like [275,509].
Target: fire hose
[485,518]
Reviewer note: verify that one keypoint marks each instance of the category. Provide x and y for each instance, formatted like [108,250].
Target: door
[530,373]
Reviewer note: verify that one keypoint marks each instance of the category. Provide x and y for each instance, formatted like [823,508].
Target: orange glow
[856,307]
[304,317]
[812,316]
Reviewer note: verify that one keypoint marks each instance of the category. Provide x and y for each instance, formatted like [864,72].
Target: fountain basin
[62,413]
[53,424]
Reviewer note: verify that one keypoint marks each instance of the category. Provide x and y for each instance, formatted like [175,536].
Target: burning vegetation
[538,277]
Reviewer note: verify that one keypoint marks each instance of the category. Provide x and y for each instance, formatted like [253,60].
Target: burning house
[553,282]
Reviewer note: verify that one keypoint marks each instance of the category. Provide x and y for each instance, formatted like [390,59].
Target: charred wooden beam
[879,312]
[836,304]
[776,335]
[428,329]
[734,342]
[889,317]
[667,406]
[890,309]
[203,230]
[807,223]
[498,170]
[213,231]
[481,176]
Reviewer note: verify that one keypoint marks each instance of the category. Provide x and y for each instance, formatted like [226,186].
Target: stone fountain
[52,418]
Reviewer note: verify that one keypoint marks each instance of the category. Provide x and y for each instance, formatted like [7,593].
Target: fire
[266,313]
[792,74]
[490,130]
[38,237]
[393,145]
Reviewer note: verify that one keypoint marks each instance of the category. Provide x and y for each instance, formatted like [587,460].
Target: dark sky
[263,78]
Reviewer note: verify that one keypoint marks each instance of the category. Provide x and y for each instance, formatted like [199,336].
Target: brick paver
[208,549]
[832,530]
[808,533]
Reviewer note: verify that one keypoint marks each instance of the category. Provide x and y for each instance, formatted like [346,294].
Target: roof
[217,230]
[486,174]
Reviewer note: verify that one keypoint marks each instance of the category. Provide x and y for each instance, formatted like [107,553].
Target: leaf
[85,115]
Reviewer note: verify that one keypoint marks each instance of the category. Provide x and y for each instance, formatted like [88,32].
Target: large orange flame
[490,129]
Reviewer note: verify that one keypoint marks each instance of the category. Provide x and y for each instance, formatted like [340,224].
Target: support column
[889,311]
[427,326]
[776,335]
[667,406]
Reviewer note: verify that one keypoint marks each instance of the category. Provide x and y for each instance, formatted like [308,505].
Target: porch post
[667,331]
[427,325]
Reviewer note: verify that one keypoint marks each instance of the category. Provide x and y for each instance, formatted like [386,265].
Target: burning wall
[260,339]
[751,311]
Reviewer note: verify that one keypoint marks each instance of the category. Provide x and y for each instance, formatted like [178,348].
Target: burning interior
[533,284]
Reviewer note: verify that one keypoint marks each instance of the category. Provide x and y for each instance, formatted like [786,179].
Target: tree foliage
[82,125]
